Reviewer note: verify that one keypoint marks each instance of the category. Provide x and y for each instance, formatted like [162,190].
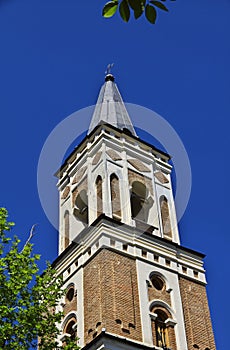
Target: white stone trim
[68,317]
[153,316]
[154,272]
[170,322]
[157,302]
[144,268]
[64,336]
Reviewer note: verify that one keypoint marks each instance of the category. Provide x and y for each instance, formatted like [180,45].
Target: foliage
[28,300]
[138,7]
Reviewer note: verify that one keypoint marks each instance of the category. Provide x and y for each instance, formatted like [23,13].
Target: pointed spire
[110,108]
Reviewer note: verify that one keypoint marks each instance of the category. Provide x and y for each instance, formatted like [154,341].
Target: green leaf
[150,14]
[26,309]
[159,5]
[133,4]
[138,12]
[138,7]
[109,9]
[136,4]
[124,10]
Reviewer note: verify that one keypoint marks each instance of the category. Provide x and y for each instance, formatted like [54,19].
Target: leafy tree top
[137,7]
[28,299]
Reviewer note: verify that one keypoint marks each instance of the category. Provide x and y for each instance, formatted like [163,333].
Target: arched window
[81,206]
[165,217]
[162,337]
[66,229]
[162,327]
[99,195]
[115,197]
[71,328]
[138,198]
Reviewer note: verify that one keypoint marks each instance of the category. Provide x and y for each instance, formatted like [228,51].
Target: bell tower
[130,284]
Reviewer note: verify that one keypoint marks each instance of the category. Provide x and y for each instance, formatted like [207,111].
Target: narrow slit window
[165,218]
[99,195]
[66,229]
[115,197]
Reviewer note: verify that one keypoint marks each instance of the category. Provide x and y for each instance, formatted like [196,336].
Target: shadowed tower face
[130,284]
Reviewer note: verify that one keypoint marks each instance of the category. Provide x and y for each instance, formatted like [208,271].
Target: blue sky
[53,55]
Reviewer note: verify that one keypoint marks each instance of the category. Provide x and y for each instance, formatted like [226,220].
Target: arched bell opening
[138,197]
[141,201]
[81,207]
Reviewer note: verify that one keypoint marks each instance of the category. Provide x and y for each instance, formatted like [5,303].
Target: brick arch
[69,327]
[162,309]
[160,304]
[71,316]
[71,284]
[134,176]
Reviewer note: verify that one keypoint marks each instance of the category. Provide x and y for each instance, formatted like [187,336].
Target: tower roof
[110,108]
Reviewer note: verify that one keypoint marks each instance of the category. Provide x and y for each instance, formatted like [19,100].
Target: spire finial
[109,76]
[108,69]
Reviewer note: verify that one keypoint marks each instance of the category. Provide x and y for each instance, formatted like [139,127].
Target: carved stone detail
[65,193]
[79,175]
[136,163]
[161,177]
[113,154]
[97,158]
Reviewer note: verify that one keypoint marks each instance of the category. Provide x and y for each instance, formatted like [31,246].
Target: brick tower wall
[198,325]
[111,298]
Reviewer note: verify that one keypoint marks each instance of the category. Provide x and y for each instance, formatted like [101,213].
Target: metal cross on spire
[109,68]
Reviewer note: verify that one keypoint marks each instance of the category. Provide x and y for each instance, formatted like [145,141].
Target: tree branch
[31,235]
